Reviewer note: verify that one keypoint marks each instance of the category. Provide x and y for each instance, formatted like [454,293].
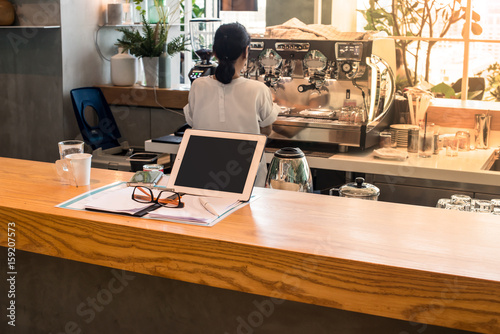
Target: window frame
[466,40]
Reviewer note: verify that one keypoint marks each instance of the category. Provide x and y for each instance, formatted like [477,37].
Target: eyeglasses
[164,198]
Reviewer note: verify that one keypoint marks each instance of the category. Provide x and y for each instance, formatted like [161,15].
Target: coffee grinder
[202,37]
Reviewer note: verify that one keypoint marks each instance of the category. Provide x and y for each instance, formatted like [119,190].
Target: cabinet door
[486,196]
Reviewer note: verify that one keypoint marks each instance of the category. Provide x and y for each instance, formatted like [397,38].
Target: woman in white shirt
[228,102]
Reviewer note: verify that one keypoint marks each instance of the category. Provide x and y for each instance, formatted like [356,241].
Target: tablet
[218,164]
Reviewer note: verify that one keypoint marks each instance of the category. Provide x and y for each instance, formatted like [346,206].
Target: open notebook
[215,171]
[119,200]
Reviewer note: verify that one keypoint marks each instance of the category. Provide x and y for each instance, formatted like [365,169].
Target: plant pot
[123,69]
[150,66]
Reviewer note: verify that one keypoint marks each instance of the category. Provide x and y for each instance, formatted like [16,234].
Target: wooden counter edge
[454,117]
[399,293]
[145,96]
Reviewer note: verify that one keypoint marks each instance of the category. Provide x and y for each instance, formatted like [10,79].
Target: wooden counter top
[405,262]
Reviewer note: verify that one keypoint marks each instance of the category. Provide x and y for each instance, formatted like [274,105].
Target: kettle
[289,170]
[360,189]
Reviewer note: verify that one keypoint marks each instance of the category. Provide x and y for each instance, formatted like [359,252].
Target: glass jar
[426,140]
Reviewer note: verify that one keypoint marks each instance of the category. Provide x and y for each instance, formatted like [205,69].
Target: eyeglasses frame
[154,199]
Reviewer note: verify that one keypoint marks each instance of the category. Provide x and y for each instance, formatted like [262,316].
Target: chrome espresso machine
[330,91]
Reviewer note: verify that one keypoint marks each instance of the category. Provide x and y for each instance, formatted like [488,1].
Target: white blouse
[244,106]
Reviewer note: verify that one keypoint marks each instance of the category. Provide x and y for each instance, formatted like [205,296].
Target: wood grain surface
[405,262]
[453,117]
[145,96]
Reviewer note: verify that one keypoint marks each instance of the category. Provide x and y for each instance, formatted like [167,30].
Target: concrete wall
[31,83]
[138,124]
[38,68]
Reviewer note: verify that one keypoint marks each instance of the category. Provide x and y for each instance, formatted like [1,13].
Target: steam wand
[365,111]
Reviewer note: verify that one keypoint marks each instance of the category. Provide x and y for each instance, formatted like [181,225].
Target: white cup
[75,169]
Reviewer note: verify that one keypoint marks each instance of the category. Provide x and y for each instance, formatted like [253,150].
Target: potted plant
[151,43]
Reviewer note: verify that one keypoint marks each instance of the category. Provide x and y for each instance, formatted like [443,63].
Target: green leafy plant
[446,91]
[152,40]
[493,77]
[196,11]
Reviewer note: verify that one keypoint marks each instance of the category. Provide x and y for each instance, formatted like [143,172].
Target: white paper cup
[75,169]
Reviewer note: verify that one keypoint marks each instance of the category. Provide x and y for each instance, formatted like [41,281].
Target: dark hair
[230,41]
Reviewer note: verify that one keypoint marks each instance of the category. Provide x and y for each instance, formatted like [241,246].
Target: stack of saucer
[400,133]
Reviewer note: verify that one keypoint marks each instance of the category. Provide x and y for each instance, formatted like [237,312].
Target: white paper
[117,197]
[193,210]
[119,200]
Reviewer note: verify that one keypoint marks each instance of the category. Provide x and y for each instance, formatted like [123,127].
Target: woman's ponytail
[230,41]
[225,71]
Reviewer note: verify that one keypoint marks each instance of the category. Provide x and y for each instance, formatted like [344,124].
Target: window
[254,21]
[462,41]
[434,53]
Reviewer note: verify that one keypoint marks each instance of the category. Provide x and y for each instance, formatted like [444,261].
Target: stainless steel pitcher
[289,170]
[482,124]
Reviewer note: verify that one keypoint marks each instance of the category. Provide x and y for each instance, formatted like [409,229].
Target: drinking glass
[496,206]
[385,139]
[455,206]
[452,147]
[441,203]
[345,115]
[357,116]
[412,145]
[462,199]
[483,206]
[463,140]
[426,140]
[69,147]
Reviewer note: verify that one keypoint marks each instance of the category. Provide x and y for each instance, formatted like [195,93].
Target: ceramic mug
[75,169]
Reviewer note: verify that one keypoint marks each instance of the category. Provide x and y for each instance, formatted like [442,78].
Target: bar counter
[404,262]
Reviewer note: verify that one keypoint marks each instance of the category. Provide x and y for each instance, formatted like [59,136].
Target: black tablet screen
[216,164]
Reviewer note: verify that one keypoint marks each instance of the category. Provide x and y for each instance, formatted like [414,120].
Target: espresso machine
[336,92]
